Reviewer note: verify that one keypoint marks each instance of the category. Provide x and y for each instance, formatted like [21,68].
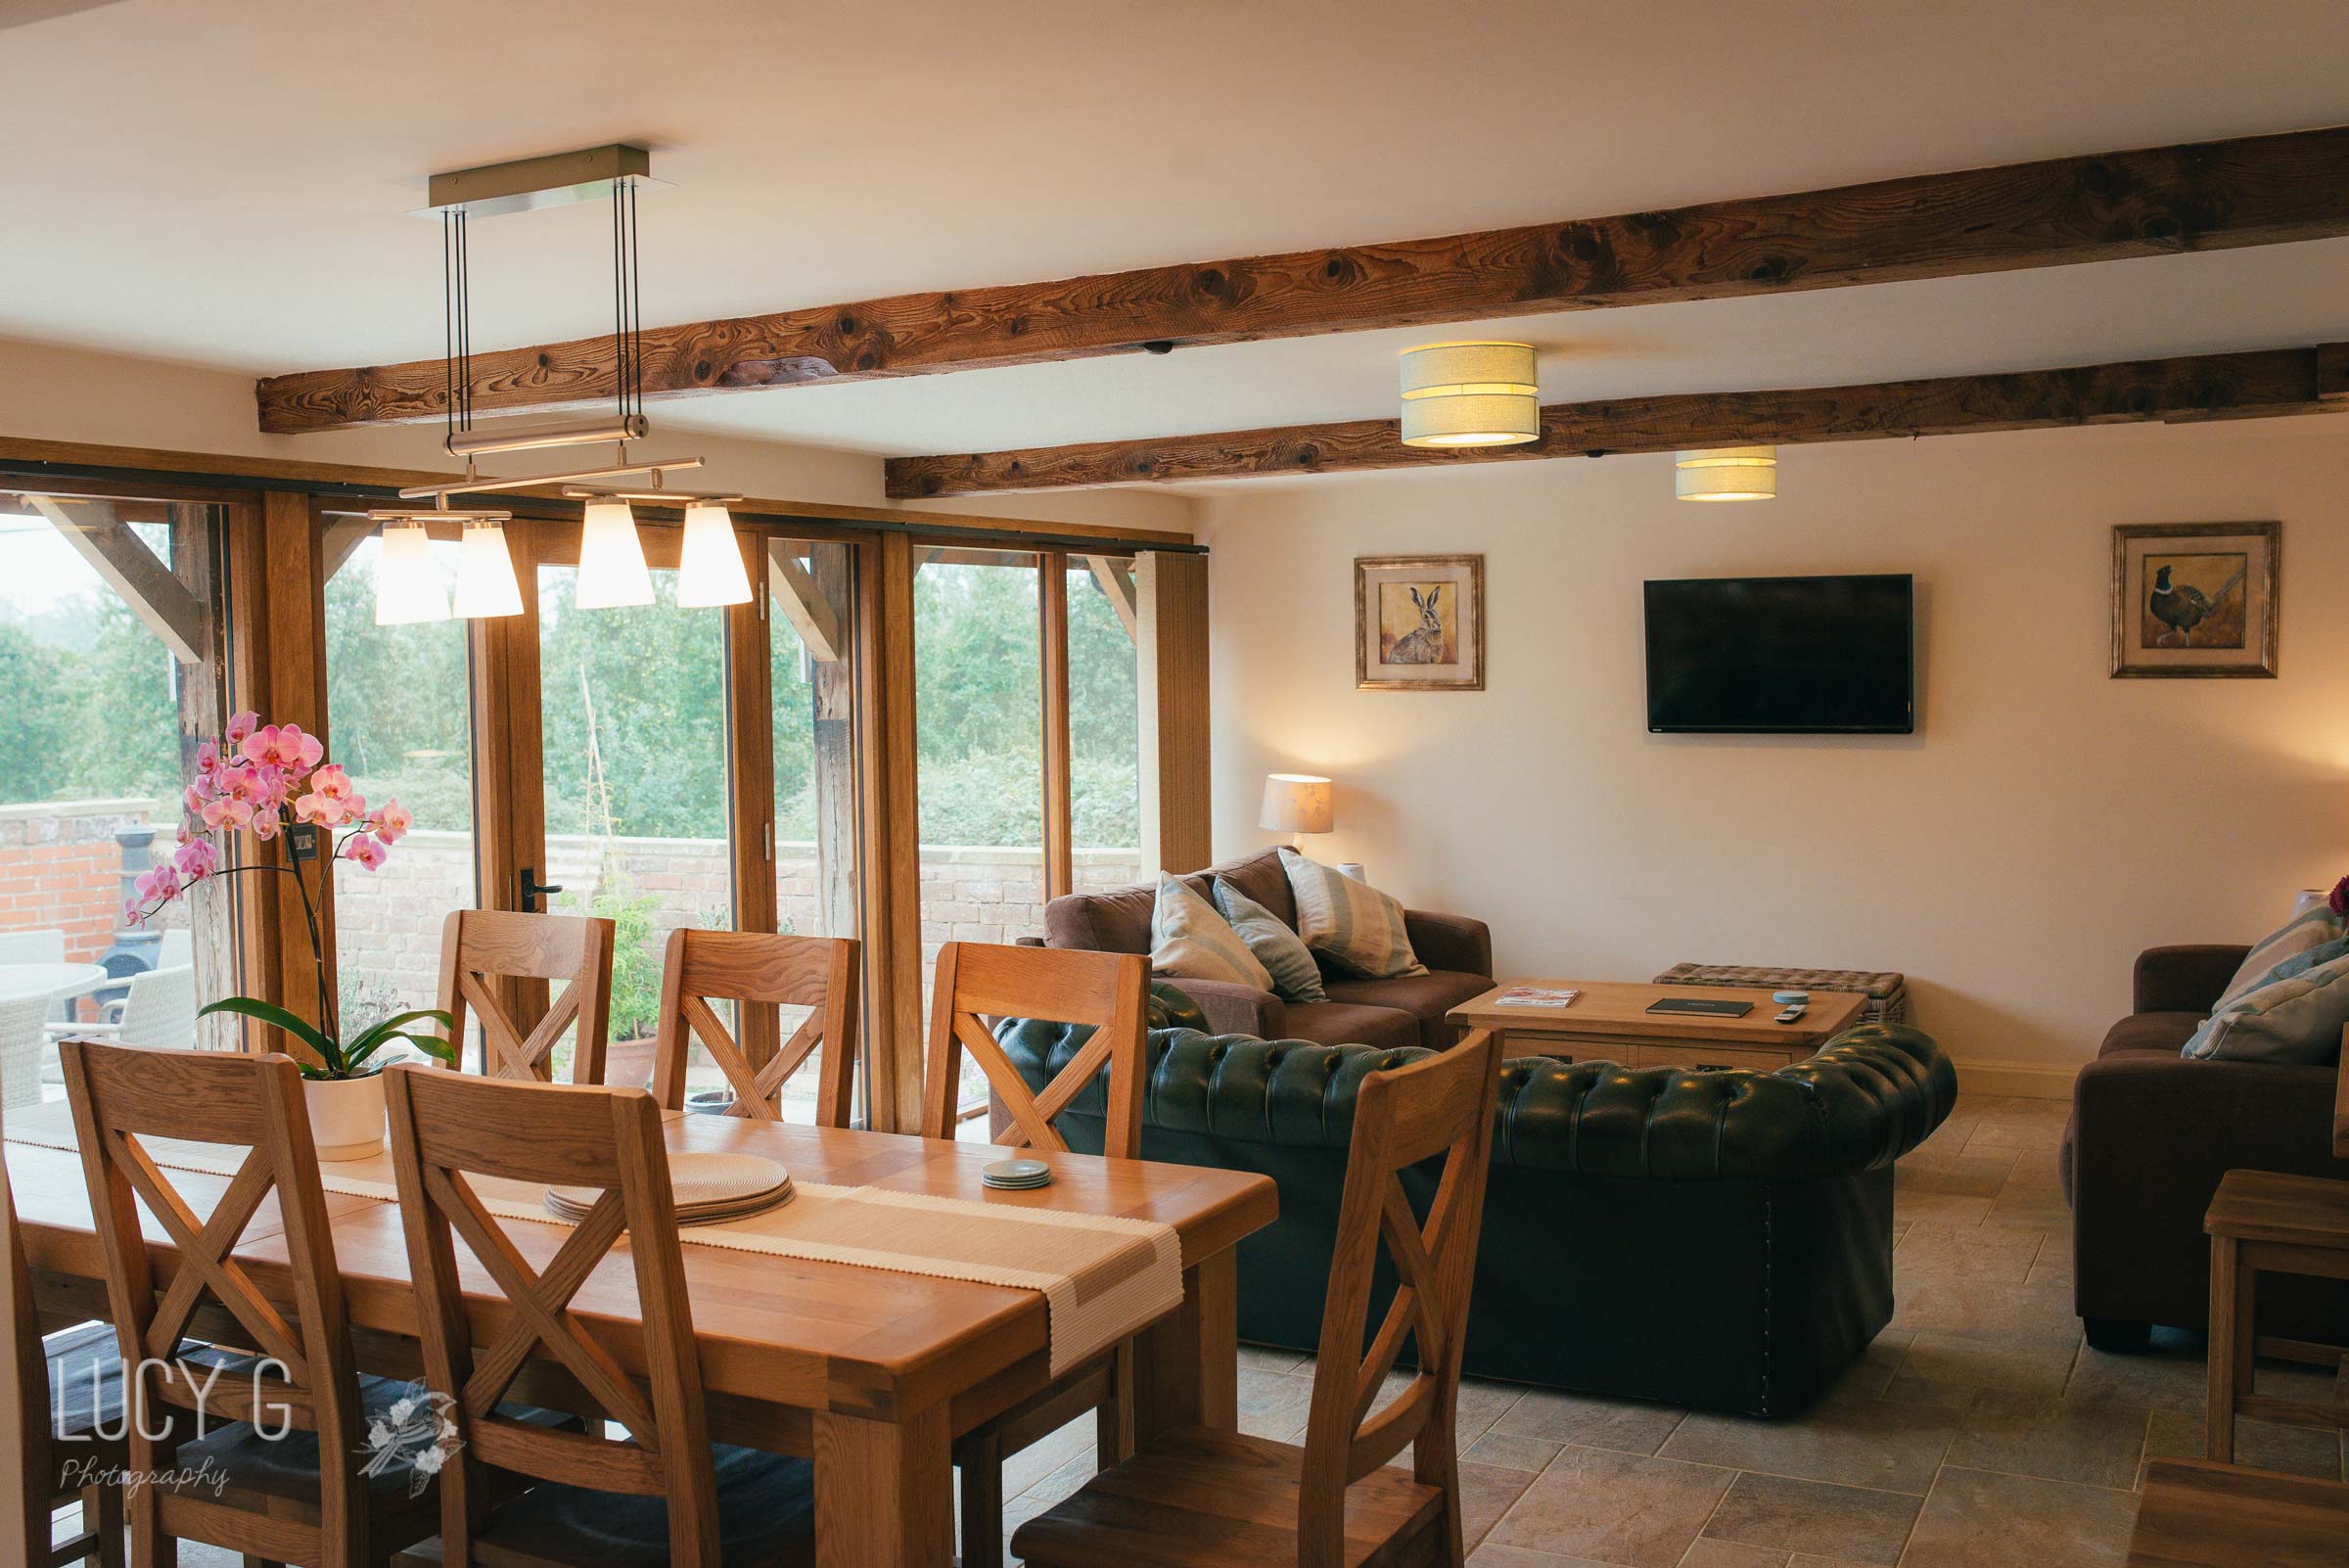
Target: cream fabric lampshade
[1727,474]
[709,570]
[1470,395]
[611,570]
[485,584]
[407,580]
[1295,802]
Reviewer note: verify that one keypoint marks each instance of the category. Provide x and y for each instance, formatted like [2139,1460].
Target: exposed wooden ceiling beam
[101,537]
[2265,383]
[2262,190]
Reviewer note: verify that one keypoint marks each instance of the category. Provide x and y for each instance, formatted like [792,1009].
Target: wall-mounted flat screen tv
[1781,656]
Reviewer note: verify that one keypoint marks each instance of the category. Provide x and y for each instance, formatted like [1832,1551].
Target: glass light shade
[1470,395]
[485,584]
[709,561]
[407,580]
[1727,474]
[1295,802]
[611,570]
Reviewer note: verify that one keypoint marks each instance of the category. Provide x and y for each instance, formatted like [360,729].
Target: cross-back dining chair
[1111,991]
[283,1479]
[481,948]
[820,973]
[661,1495]
[1214,1498]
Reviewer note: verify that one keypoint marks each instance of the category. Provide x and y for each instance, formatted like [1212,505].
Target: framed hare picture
[2195,598]
[1420,623]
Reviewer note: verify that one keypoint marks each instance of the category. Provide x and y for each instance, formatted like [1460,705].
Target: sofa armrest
[2185,979]
[1449,941]
[1232,1008]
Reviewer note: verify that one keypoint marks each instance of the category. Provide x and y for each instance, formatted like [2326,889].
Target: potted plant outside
[273,782]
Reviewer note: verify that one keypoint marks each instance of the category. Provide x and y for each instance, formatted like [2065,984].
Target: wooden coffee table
[1610,1022]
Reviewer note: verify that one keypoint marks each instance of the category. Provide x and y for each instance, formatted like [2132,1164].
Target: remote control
[1792,1013]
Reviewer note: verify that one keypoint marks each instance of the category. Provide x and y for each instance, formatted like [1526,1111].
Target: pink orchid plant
[269,781]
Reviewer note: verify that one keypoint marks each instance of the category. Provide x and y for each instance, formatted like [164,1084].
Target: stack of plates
[1017,1175]
[708,1188]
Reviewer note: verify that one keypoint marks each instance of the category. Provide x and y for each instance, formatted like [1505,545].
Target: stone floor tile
[1842,1439]
[1482,1402]
[1629,1426]
[1974,1519]
[1995,1310]
[1493,1555]
[1273,1404]
[1956,1175]
[1876,1363]
[1812,1516]
[1033,1463]
[2261,1445]
[1507,1452]
[2053,1272]
[1980,1252]
[2093,1441]
[1938,1366]
[1909,1204]
[1803,1560]
[1620,1508]
[2171,1375]
[1266,1358]
[1487,1493]
[1710,1554]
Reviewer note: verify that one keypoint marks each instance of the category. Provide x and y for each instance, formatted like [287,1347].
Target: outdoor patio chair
[159,1010]
[23,1042]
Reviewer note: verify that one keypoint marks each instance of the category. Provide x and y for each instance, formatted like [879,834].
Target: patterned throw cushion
[1190,941]
[2302,934]
[1282,952]
[2295,1018]
[1351,923]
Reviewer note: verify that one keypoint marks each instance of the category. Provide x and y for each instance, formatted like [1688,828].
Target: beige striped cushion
[1190,940]
[1351,923]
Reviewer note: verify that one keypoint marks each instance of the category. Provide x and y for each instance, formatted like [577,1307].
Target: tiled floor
[1979,1431]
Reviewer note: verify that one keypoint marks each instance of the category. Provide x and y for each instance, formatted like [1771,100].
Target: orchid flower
[363,849]
[394,822]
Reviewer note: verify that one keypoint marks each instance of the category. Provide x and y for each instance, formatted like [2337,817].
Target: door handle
[531,888]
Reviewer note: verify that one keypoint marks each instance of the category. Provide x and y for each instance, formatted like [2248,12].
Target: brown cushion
[1118,920]
[2151,1032]
[1426,997]
[1333,1022]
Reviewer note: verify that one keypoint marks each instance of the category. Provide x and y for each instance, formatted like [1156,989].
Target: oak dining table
[869,1372]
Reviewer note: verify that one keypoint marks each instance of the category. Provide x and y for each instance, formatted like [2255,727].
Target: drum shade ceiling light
[1470,395]
[1727,474]
[612,566]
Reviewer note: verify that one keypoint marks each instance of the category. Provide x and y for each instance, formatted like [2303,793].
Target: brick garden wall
[60,867]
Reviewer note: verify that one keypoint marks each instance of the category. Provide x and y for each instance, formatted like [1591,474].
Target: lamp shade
[709,561]
[1295,802]
[611,570]
[407,580]
[1727,474]
[1470,395]
[485,584]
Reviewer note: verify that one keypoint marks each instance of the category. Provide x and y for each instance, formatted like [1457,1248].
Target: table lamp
[1295,804]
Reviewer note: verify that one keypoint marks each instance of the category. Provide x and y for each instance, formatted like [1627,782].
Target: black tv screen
[1783,656]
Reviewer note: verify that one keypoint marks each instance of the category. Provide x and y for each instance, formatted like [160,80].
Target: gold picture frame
[1420,623]
[2195,600]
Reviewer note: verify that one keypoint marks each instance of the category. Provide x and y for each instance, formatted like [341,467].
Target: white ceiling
[227,184]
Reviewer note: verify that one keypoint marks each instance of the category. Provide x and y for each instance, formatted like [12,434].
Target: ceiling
[217,185]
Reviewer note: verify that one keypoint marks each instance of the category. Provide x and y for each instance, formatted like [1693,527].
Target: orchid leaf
[397,1024]
[278,1017]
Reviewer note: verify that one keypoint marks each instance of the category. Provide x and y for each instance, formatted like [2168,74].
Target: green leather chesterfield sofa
[1712,1238]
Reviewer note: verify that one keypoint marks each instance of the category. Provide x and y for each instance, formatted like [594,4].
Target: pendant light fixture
[612,565]
[1470,395]
[408,589]
[1727,474]
[709,566]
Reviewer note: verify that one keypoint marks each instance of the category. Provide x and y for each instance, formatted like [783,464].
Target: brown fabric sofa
[2150,1135]
[1392,1013]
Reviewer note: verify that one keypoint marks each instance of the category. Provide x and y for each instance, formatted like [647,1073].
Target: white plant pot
[346,1115]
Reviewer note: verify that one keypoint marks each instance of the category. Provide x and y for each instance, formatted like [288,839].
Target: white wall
[2043,824]
[65,394]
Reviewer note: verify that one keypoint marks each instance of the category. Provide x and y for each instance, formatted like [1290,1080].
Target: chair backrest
[2341,1103]
[23,1031]
[35,1468]
[820,973]
[124,1095]
[445,1128]
[160,1009]
[176,949]
[480,948]
[1442,1104]
[32,947]
[1067,986]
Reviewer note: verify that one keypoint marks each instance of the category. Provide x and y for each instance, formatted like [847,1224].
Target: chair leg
[102,1512]
[150,1547]
[981,1463]
[2231,1317]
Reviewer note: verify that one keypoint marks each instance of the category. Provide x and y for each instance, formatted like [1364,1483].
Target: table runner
[1103,1276]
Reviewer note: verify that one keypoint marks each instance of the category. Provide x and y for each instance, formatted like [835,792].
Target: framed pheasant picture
[1420,623]
[2193,599]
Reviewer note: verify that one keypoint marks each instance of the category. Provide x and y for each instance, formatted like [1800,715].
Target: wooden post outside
[509,806]
[197,533]
[751,783]
[1170,694]
[833,570]
[1052,600]
[891,887]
